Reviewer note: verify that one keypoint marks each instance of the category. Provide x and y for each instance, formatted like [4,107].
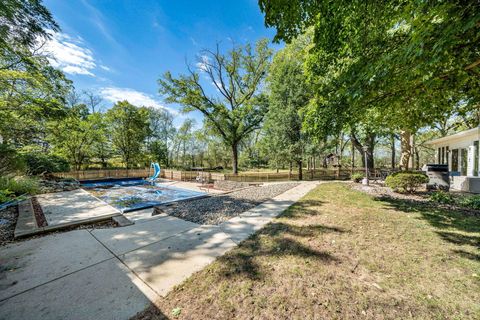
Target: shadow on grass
[303,208]
[275,240]
[455,226]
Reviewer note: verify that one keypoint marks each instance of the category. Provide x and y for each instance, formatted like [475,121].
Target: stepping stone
[107,290]
[122,240]
[165,264]
[28,264]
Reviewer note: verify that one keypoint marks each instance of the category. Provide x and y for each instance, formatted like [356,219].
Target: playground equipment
[156,172]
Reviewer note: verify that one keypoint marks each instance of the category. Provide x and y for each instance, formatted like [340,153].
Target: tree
[405,64]
[162,132]
[31,91]
[75,136]
[23,23]
[239,106]
[129,128]
[288,93]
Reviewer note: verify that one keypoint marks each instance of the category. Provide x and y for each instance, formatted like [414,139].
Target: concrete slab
[122,240]
[240,228]
[247,223]
[26,222]
[143,215]
[165,264]
[70,206]
[28,264]
[107,290]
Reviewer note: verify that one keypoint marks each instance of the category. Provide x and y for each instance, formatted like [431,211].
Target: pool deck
[115,273]
[71,208]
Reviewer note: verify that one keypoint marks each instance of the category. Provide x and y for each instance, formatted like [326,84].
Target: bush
[5,195]
[10,161]
[38,163]
[18,186]
[472,202]
[442,197]
[357,177]
[405,181]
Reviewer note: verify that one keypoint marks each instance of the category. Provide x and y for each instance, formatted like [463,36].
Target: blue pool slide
[156,172]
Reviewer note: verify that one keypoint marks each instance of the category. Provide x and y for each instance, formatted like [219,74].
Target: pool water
[134,194]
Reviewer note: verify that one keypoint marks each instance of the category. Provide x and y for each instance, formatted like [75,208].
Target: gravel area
[219,208]
[380,191]
[8,219]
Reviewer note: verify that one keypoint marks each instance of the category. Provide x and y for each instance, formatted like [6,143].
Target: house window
[455,160]
[463,169]
[439,155]
[475,158]
[447,149]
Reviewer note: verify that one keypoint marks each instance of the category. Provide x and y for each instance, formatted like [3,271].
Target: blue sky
[119,48]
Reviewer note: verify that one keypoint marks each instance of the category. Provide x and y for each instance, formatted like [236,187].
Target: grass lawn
[340,254]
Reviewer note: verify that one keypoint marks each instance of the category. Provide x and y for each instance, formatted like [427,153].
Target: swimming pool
[134,194]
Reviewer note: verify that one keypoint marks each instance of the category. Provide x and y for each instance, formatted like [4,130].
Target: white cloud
[203,63]
[105,68]
[70,54]
[114,94]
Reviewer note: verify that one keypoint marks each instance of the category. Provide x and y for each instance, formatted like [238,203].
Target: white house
[461,152]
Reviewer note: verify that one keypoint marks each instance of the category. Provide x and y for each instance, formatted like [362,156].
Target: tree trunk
[300,171]
[393,150]
[370,144]
[235,158]
[406,147]
[417,159]
[353,156]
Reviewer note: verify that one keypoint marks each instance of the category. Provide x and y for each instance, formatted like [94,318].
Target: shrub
[5,195]
[442,197]
[472,202]
[405,181]
[38,163]
[357,177]
[18,186]
[10,161]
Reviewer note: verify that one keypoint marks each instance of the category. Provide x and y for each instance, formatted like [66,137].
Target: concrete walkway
[115,273]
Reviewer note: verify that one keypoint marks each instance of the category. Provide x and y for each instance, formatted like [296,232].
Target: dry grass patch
[339,253]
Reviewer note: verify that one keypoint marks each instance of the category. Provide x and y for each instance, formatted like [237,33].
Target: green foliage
[23,23]
[239,107]
[357,177]
[384,64]
[283,141]
[10,160]
[6,195]
[405,181]
[176,312]
[442,197]
[472,202]
[19,185]
[38,163]
[466,201]
[129,127]
[76,135]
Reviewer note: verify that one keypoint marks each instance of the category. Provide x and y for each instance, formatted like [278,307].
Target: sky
[119,48]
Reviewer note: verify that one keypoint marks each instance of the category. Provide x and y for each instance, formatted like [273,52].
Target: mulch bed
[420,198]
[8,218]
[38,213]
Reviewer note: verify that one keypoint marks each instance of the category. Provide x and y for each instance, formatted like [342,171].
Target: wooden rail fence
[317,174]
